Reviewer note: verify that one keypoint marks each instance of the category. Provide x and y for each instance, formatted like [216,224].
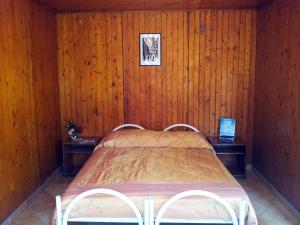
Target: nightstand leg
[67,163]
[241,163]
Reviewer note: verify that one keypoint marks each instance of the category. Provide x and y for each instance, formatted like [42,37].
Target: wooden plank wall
[207,69]
[156,97]
[91,70]
[29,100]
[277,100]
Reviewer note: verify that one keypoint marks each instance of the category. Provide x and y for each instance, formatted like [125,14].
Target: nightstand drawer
[232,151]
[79,149]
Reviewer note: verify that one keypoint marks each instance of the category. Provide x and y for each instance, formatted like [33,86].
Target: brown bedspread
[154,164]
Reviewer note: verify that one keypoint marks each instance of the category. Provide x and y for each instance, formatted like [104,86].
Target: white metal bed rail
[128,125]
[181,125]
[149,217]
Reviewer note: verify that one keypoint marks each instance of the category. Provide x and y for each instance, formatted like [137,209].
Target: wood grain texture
[121,5]
[277,99]
[220,62]
[91,70]
[156,96]
[29,100]
[206,72]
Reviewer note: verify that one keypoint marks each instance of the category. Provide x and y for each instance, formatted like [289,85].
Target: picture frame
[150,49]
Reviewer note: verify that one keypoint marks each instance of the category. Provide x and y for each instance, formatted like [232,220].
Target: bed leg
[58,210]
[146,212]
[242,212]
[151,211]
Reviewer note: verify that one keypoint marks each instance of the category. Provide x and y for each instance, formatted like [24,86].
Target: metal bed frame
[149,218]
[181,125]
[128,125]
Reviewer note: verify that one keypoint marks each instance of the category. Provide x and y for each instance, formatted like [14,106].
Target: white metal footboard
[149,216]
[128,125]
[185,194]
[63,218]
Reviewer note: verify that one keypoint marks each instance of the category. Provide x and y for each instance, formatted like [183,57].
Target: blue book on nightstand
[227,129]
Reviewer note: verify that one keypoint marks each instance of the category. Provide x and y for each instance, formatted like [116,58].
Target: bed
[149,177]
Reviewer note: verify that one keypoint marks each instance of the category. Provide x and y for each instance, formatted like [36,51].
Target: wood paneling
[219,68]
[277,99]
[121,5]
[206,72]
[155,97]
[91,70]
[29,102]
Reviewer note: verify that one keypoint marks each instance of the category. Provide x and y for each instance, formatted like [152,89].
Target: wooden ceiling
[119,5]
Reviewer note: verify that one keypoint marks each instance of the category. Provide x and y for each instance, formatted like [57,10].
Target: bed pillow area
[154,139]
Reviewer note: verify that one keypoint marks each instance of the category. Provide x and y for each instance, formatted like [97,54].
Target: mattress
[142,164]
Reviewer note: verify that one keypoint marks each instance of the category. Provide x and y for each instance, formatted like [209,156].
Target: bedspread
[119,163]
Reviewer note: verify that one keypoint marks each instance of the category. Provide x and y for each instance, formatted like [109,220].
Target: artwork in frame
[150,49]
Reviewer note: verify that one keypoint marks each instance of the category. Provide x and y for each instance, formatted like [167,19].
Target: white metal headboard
[181,125]
[128,125]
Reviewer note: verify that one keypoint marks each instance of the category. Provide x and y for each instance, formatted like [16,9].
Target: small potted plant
[73,130]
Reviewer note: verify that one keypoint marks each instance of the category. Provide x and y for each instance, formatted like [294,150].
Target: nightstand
[76,153]
[232,154]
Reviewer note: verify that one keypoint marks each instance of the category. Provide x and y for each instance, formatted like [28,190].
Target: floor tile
[25,217]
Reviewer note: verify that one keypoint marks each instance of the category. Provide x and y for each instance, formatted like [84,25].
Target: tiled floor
[269,210]
[39,207]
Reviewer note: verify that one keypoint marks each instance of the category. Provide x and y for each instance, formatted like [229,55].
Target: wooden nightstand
[232,154]
[80,151]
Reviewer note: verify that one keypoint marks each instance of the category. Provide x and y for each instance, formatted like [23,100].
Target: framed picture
[227,127]
[150,49]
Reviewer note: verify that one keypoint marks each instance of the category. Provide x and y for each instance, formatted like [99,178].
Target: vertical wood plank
[196,68]
[224,64]
[207,69]
[164,83]
[219,61]
[212,116]
[241,75]
[158,74]
[191,68]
